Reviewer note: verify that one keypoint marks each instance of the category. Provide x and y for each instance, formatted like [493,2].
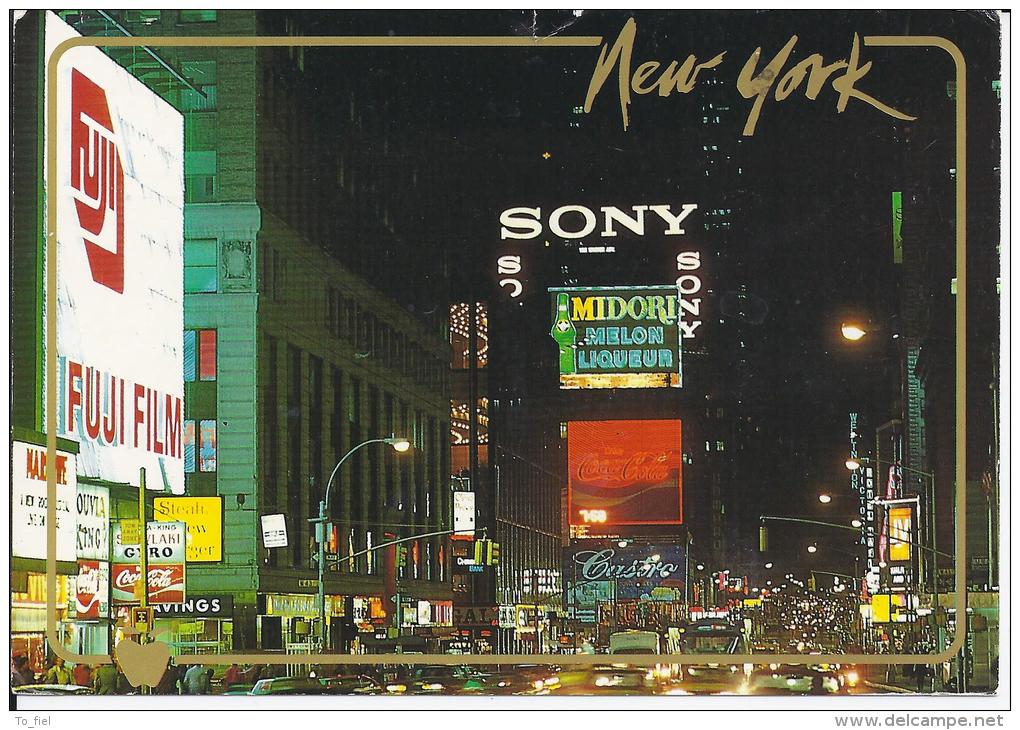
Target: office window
[189,447]
[199,355]
[207,445]
[200,265]
[197,16]
[199,176]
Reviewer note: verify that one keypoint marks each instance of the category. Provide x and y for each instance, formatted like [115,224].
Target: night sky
[812,226]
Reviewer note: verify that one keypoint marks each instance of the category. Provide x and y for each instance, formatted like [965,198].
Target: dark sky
[813,229]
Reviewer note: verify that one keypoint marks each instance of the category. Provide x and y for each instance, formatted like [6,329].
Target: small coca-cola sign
[92,588]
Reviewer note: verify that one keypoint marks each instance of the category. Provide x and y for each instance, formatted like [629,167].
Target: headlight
[396,687]
[432,686]
[538,684]
[852,678]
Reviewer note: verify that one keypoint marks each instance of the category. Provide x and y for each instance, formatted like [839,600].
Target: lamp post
[400,445]
[931,525]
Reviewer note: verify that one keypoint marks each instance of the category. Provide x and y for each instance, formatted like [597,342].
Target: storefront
[28,616]
[289,621]
[202,624]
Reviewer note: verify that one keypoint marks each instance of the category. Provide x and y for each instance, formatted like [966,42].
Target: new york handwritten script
[811,74]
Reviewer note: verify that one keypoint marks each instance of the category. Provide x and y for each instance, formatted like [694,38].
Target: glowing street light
[812,548]
[853,464]
[852,331]
[768,566]
[824,498]
[856,523]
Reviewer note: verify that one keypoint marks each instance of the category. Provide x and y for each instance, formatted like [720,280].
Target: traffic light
[486,552]
[401,556]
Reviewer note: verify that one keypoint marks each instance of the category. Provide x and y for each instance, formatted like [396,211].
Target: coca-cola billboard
[166,583]
[624,472]
[92,590]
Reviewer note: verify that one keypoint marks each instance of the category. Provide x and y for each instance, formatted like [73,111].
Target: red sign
[91,588]
[624,472]
[166,583]
[97,181]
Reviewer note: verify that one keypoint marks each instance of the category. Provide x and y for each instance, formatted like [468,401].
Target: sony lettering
[526,223]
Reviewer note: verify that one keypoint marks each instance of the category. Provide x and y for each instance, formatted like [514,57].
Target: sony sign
[119,198]
[578,221]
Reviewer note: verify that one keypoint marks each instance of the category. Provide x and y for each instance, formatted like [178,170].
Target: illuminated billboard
[901,529]
[120,270]
[602,570]
[624,472]
[618,337]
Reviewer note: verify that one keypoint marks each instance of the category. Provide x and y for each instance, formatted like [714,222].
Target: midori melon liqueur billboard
[119,197]
[618,337]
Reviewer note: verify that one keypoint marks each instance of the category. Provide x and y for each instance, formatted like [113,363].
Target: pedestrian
[232,676]
[167,684]
[21,674]
[82,674]
[196,680]
[58,673]
[105,679]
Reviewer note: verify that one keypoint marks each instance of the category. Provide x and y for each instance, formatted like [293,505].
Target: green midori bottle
[565,335]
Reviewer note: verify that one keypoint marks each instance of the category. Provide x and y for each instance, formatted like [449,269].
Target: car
[238,689]
[289,686]
[52,689]
[440,679]
[352,684]
[793,680]
[615,680]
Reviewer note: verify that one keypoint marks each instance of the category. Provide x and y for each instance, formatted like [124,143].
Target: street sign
[141,618]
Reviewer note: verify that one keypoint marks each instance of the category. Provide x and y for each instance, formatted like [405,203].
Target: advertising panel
[119,260]
[624,472]
[216,606]
[204,518]
[29,502]
[274,531]
[165,542]
[603,570]
[92,590]
[900,533]
[166,583]
[93,532]
[463,515]
[618,337]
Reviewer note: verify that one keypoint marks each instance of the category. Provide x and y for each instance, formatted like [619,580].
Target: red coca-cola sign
[92,586]
[166,583]
[625,472]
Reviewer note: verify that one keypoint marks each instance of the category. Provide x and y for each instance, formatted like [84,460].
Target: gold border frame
[578,659]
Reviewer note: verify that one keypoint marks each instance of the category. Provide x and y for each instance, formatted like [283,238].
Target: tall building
[297,347]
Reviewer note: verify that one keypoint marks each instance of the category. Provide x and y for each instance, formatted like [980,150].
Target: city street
[505,353]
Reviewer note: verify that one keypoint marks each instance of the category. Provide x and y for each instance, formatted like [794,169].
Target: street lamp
[824,498]
[768,566]
[399,445]
[812,548]
[852,331]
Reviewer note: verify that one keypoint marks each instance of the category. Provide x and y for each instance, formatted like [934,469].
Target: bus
[634,642]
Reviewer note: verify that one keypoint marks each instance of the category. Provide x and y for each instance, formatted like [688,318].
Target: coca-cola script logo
[90,588]
[641,467]
[166,583]
[97,181]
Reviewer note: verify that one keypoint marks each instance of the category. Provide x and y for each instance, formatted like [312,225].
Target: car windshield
[710,644]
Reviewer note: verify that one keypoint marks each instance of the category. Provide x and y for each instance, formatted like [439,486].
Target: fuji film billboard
[119,198]
[624,472]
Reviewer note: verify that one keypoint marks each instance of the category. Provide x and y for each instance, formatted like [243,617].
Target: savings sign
[624,472]
[119,198]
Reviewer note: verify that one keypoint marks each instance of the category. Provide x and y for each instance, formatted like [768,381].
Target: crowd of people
[107,679]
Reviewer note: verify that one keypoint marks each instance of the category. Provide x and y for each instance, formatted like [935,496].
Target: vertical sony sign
[119,197]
